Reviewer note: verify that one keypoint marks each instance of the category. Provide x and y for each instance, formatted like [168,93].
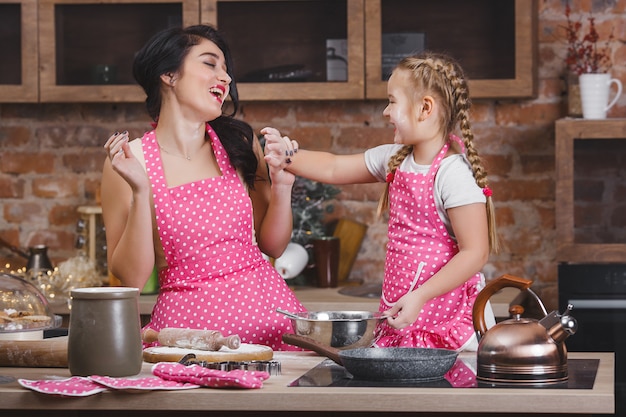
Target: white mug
[594,94]
[292,261]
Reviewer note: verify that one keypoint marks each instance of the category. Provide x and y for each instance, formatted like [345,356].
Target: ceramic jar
[105,332]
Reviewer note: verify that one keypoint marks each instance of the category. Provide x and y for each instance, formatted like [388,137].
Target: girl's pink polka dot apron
[419,246]
[217,278]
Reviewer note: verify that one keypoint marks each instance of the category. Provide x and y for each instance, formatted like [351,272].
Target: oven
[598,294]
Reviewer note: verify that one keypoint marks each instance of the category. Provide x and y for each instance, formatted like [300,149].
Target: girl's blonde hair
[441,76]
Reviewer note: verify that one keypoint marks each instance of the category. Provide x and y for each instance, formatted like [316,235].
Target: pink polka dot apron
[419,246]
[216,278]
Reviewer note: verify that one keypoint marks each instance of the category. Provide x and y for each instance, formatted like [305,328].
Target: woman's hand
[405,311]
[124,162]
[279,150]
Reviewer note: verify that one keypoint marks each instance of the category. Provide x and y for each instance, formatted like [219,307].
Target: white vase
[594,94]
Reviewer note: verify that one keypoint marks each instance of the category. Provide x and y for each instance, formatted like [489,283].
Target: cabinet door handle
[586,304]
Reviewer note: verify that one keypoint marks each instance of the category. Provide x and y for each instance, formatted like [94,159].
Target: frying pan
[379,364]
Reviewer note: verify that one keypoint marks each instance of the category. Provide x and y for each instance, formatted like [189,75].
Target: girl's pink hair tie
[390,176]
[487,192]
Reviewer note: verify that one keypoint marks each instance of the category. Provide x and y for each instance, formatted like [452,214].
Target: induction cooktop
[581,375]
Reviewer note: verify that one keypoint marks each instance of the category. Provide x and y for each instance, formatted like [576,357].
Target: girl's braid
[460,106]
[394,163]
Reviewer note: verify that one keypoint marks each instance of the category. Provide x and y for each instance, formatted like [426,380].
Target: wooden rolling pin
[191,338]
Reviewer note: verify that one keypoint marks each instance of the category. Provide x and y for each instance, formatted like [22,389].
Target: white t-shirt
[455,185]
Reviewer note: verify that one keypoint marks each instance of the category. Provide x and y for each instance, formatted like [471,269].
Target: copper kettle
[521,350]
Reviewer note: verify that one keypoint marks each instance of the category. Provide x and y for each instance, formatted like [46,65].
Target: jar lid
[104,293]
[23,308]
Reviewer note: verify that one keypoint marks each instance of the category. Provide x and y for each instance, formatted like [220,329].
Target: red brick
[23,212]
[62,215]
[27,162]
[86,161]
[537,164]
[11,187]
[312,138]
[56,187]
[525,190]
[92,191]
[359,139]
[504,216]
[14,136]
[499,165]
[527,113]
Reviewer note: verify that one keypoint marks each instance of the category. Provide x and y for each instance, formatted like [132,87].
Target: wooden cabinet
[281,47]
[86,47]
[494,41]
[82,50]
[590,167]
[18,43]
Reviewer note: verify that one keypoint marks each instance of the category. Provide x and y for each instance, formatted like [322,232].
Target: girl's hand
[279,150]
[405,311]
[124,162]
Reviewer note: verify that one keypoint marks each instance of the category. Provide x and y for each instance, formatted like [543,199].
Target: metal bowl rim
[368,315]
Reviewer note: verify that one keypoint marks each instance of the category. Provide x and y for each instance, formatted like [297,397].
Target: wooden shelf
[496,47]
[279,46]
[567,132]
[77,36]
[288,34]
[18,71]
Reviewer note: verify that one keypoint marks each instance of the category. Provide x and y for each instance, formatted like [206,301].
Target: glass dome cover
[23,307]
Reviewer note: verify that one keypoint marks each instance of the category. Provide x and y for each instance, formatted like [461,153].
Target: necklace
[187,157]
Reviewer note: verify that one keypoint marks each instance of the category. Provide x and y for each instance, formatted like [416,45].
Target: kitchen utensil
[339,329]
[271,367]
[377,364]
[521,350]
[245,352]
[105,332]
[38,259]
[12,248]
[191,338]
[44,353]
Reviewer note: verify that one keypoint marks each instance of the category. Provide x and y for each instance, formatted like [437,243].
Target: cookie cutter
[271,367]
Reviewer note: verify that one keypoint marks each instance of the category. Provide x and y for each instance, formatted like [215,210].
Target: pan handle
[311,344]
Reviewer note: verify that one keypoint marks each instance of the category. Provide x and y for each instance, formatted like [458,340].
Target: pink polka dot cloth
[148,383]
[70,387]
[206,377]
[78,386]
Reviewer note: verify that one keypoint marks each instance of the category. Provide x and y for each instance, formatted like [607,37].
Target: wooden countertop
[277,399]
[321,299]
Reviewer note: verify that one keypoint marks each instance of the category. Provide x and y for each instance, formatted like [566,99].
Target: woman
[194,198]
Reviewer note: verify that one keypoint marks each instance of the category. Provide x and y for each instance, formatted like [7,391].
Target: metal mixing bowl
[338,329]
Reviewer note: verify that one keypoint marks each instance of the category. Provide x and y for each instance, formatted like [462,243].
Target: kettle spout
[560,326]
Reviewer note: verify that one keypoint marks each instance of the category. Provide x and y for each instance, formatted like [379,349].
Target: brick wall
[51,157]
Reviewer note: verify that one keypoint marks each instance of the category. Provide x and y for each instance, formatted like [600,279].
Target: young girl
[193,197]
[441,220]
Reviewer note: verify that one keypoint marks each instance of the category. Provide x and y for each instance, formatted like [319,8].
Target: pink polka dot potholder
[148,383]
[206,377]
[71,387]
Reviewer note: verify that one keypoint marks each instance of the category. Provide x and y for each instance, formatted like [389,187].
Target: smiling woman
[196,199]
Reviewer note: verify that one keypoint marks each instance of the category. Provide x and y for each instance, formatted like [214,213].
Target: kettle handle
[478,313]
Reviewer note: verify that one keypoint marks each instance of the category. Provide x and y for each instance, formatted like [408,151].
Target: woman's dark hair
[164,53]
